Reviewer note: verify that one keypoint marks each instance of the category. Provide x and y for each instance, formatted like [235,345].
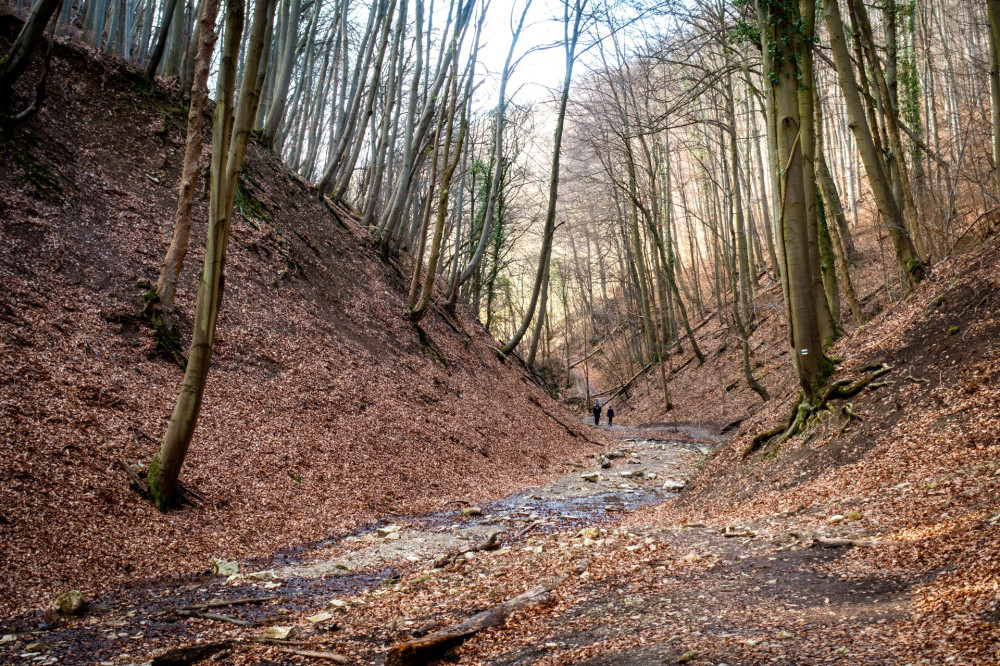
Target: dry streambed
[257,599]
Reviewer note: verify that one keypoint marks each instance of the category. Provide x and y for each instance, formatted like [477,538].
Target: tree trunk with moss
[229,140]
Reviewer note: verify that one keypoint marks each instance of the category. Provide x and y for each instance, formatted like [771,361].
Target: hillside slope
[917,469]
[325,408]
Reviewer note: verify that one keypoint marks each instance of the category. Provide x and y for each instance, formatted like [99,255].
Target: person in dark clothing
[597,413]
[611,417]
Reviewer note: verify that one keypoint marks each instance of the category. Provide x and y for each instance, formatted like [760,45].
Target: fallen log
[433,646]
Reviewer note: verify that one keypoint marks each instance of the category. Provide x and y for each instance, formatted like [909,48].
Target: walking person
[611,417]
[597,413]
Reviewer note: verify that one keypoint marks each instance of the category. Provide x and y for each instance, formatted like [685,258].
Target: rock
[225,567]
[590,533]
[33,647]
[580,566]
[7,638]
[592,477]
[383,532]
[650,475]
[690,655]
[631,474]
[692,557]
[605,462]
[589,542]
[339,603]
[616,454]
[835,519]
[673,484]
[262,575]
[634,460]
[782,635]
[71,603]
[271,585]
[277,633]
[392,537]
[441,560]
[320,617]
[471,511]
[853,515]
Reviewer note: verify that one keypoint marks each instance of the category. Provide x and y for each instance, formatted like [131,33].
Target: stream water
[131,624]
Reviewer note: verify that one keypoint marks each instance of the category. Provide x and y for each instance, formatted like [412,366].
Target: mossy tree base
[805,413]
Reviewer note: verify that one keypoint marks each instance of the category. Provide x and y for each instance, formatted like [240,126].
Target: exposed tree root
[804,412]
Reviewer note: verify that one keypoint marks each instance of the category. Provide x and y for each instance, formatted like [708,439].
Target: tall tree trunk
[161,41]
[166,285]
[284,73]
[803,325]
[993,9]
[229,141]
[909,263]
[17,59]
[571,39]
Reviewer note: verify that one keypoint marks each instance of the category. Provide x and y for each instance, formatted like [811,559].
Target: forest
[313,314]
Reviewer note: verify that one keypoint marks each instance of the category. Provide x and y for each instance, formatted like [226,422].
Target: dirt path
[640,594]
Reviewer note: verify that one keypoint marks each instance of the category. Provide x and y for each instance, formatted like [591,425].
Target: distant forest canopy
[707,158]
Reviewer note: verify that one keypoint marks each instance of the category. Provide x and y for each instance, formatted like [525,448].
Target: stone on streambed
[592,477]
[471,512]
[226,568]
[384,532]
[673,484]
[277,633]
[71,603]
[605,462]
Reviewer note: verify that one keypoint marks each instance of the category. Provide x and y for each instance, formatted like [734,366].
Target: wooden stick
[423,650]
[527,529]
[136,482]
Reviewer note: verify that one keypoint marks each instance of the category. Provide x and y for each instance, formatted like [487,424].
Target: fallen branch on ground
[837,542]
[530,526]
[190,654]
[492,543]
[224,602]
[331,656]
[215,616]
[433,646]
[571,431]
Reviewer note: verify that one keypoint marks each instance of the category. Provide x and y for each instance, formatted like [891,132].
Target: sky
[540,73]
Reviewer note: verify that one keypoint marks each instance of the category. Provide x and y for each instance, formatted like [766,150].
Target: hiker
[611,417]
[597,413]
